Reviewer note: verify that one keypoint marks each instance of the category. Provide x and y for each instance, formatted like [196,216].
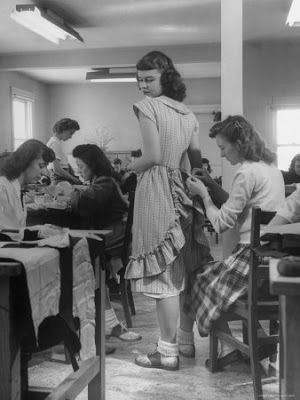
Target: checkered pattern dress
[162,225]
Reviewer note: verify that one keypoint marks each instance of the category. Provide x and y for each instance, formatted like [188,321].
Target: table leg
[96,388]
[290,354]
[10,370]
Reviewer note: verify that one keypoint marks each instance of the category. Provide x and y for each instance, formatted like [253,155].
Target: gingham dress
[162,220]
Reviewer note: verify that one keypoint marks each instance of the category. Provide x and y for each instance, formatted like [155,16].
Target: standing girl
[162,221]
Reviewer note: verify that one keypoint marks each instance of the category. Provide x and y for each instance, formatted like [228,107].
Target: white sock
[185,337]
[111,320]
[167,349]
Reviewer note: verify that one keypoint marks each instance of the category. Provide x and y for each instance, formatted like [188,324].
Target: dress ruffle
[155,262]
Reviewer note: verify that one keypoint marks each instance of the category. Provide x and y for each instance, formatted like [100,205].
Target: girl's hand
[196,187]
[202,174]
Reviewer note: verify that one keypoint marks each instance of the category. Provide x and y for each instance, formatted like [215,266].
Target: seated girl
[24,166]
[257,182]
[101,206]
[289,211]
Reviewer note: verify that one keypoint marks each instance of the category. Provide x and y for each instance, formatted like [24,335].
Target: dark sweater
[101,204]
[290,177]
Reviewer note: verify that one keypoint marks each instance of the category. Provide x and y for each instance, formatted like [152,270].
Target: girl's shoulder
[156,103]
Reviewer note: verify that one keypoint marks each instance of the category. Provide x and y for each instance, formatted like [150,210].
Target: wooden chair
[125,290]
[250,310]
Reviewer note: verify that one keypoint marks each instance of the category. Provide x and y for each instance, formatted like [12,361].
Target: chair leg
[130,299]
[274,329]
[125,303]
[254,359]
[245,332]
[213,350]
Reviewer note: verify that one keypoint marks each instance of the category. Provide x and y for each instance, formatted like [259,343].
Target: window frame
[284,104]
[28,99]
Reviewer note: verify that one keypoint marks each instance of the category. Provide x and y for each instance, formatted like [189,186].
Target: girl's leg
[166,354]
[185,332]
[167,314]
[113,326]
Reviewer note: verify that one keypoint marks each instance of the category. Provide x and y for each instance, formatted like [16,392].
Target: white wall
[40,92]
[271,75]
[110,105]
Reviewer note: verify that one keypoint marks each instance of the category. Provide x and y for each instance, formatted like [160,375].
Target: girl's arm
[151,146]
[194,152]
[58,170]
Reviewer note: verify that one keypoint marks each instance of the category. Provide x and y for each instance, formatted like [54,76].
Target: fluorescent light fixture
[44,22]
[117,74]
[293,18]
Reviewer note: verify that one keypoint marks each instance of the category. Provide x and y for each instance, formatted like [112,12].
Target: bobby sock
[167,349]
[185,337]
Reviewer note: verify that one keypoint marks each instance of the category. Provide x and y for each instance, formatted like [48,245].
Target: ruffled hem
[155,262]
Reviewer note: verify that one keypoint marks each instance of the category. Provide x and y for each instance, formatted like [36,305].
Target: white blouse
[290,209]
[12,212]
[255,184]
[58,147]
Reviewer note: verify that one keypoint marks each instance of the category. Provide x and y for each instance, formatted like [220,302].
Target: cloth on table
[43,275]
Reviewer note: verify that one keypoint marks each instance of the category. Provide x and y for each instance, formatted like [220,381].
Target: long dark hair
[237,130]
[292,164]
[18,161]
[94,158]
[171,81]
[65,124]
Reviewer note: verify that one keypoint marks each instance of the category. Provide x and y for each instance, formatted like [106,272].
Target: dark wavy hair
[64,125]
[206,161]
[237,130]
[293,162]
[171,81]
[94,158]
[18,161]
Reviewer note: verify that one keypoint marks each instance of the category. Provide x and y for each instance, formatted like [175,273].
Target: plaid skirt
[217,287]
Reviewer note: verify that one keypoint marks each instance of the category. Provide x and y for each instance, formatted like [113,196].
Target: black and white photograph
[149,199]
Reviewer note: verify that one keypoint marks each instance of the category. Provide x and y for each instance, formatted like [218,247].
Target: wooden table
[10,370]
[288,289]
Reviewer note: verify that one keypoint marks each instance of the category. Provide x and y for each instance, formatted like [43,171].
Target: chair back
[257,272]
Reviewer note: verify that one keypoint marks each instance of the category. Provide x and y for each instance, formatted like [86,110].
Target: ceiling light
[44,22]
[118,74]
[293,18]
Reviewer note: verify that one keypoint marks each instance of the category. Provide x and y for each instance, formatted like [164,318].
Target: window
[287,135]
[22,105]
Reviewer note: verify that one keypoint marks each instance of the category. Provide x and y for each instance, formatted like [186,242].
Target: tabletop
[282,285]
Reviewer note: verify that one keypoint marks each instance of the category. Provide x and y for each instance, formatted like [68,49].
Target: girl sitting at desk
[289,211]
[102,206]
[25,165]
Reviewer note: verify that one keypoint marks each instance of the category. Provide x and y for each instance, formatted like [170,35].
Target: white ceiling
[109,26]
